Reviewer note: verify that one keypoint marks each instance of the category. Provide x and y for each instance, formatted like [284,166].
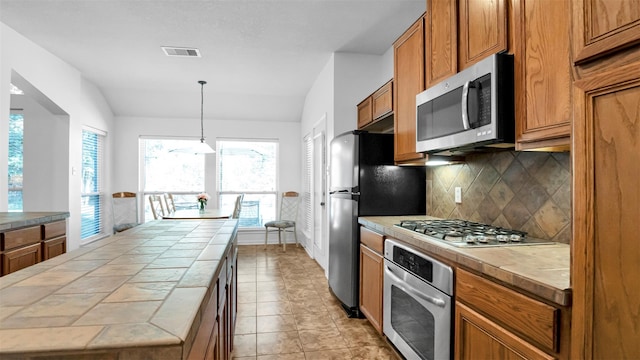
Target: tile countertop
[13,220]
[137,294]
[542,270]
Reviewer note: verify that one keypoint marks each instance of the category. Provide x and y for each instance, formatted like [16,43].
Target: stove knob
[502,238]
[515,238]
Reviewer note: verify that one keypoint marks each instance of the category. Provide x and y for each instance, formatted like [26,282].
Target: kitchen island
[139,294]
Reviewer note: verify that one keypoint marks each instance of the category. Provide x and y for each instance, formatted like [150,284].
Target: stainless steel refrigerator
[364,182]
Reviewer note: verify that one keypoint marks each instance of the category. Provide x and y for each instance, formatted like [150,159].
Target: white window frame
[275,193]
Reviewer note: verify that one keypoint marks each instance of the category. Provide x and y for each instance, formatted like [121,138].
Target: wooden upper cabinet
[543,77]
[483,30]
[441,41]
[365,113]
[382,100]
[408,77]
[603,27]
[605,254]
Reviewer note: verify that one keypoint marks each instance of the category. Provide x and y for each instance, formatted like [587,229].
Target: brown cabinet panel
[372,240]
[483,30]
[603,27]
[201,347]
[441,41]
[21,258]
[408,71]
[16,238]
[477,337]
[543,74]
[525,315]
[54,229]
[365,112]
[605,254]
[371,279]
[54,247]
[382,100]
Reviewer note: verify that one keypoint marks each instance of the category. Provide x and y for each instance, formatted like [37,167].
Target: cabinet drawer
[16,238]
[54,229]
[372,240]
[531,318]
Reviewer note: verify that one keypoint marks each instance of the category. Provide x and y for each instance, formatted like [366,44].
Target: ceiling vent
[181,51]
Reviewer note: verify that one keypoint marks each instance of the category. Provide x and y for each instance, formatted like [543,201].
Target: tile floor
[285,311]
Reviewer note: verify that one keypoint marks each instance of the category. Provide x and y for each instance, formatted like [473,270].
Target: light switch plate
[458,194]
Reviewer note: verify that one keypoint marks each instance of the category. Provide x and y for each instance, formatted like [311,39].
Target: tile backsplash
[528,191]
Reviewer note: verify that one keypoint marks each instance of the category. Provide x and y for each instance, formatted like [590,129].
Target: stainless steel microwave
[471,110]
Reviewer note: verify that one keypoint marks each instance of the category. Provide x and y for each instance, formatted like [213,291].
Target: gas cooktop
[464,233]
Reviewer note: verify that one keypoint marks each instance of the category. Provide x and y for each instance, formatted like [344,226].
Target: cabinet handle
[413,291]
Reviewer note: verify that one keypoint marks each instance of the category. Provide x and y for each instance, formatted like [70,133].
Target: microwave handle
[465,105]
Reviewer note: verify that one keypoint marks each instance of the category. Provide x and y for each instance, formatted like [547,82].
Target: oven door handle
[410,289]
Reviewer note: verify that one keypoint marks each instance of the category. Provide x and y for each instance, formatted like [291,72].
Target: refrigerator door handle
[338,192]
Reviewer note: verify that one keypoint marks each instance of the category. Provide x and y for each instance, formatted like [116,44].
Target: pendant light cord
[202,82]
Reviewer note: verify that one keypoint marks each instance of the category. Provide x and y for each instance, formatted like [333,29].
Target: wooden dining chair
[238,207]
[157,207]
[286,220]
[171,205]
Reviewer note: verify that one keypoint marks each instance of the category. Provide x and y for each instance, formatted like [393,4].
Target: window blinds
[92,193]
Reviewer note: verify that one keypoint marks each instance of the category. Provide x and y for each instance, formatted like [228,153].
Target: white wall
[44,130]
[356,77]
[64,86]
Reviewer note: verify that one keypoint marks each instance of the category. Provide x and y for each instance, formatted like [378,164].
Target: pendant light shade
[202,147]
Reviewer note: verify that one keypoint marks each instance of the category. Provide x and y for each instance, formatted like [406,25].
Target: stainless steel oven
[418,304]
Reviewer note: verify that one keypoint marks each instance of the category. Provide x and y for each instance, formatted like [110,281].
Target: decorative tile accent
[527,191]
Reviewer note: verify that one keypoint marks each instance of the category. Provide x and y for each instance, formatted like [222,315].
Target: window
[92,194]
[248,167]
[307,227]
[167,170]
[16,139]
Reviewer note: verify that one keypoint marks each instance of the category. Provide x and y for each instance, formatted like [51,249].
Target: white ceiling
[259,57]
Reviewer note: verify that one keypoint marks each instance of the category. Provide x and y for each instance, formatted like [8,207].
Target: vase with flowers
[202,200]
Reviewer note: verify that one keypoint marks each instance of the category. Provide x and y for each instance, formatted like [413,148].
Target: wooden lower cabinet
[477,337]
[24,247]
[21,258]
[371,276]
[496,322]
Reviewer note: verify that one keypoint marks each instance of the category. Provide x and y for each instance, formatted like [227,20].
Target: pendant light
[202,147]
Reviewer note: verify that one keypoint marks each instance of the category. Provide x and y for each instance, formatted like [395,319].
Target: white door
[319,198]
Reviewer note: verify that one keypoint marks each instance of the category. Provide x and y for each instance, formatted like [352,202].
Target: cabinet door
[382,101]
[408,71]
[54,247]
[21,258]
[543,74]
[605,255]
[477,337]
[483,30]
[371,277]
[441,41]
[602,27]
[365,113]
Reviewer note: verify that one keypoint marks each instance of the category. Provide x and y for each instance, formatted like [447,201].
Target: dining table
[186,214]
